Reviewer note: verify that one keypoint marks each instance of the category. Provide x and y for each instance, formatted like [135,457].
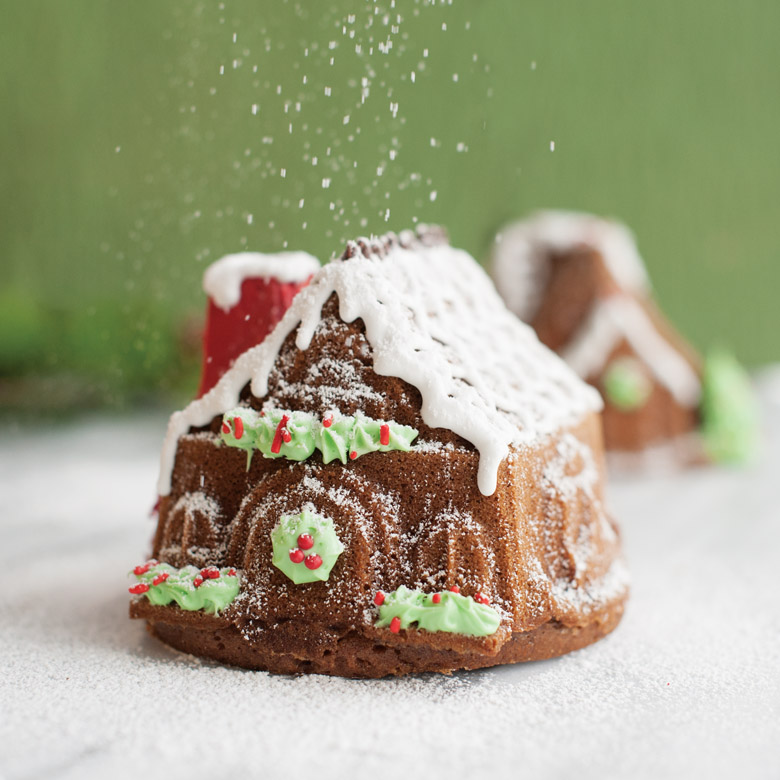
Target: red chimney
[248,294]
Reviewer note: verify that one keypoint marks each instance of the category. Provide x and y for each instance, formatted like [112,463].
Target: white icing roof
[522,250]
[223,279]
[433,319]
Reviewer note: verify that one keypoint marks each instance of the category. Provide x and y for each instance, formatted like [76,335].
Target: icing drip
[209,589]
[620,317]
[433,319]
[447,611]
[223,279]
[305,547]
[295,435]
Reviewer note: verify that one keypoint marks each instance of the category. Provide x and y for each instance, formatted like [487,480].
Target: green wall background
[142,140]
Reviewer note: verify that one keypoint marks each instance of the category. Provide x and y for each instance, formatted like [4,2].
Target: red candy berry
[232,573]
[296,555]
[481,598]
[454,589]
[198,581]
[239,423]
[327,422]
[160,578]
[286,436]
[436,598]
[379,599]
[384,435]
[395,625]
[313,562]
[210,573]
[144,567]
[225,428]
[305,542]
[138,589]
[352,455]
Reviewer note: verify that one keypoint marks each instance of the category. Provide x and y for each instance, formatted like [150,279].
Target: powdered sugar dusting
[222,280]
[687,686]
[433,319]
[198,514]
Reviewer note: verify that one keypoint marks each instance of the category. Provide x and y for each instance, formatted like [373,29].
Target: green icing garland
[728,409]
[445,611]
[295,435]
[209,589]
[305,547]
[626,384]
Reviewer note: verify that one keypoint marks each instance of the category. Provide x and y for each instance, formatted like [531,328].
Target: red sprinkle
[436,598]
[352,455]
[395,625]
[481,598]
[305,542]
[210,573]
[160,578]
[232,573]
[384,435]
[276,444]
[239,423]
[198,581]
[141,587]
[327,422]
[286,436]
[296,555]
[225,428]
[313,562]
[379,599]
[454,589]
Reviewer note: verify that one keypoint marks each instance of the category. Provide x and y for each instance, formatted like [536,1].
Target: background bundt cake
[580,282]
[399,478]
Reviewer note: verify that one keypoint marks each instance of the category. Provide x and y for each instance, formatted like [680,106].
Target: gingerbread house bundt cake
[400,478]
[579,281]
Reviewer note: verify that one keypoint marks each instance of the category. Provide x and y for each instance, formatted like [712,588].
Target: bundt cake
[579,281]
[400,478]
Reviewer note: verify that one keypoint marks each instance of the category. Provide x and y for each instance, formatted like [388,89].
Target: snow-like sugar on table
[688,686]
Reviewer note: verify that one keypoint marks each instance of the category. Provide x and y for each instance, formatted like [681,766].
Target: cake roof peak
[433,319]
[523,249]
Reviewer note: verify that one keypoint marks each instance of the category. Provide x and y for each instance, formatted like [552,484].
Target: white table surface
[688,686]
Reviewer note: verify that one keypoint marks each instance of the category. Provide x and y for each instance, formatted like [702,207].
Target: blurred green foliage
[143,140]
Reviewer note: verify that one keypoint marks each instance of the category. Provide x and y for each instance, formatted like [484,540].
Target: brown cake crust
[541,547]
[364,652]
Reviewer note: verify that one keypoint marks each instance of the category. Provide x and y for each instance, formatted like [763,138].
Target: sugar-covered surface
[688,686]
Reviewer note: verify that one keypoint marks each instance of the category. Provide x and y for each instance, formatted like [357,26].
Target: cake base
[367,652]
